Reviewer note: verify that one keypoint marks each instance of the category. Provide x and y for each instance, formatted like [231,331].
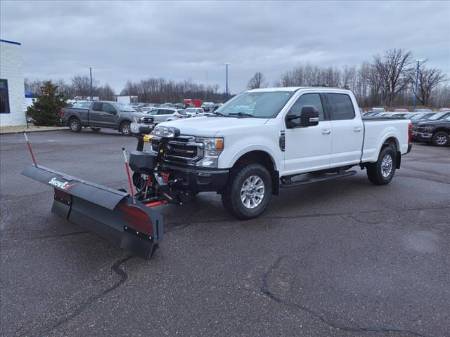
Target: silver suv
[164,114]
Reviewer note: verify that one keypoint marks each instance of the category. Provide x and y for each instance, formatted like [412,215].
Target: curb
[32,130]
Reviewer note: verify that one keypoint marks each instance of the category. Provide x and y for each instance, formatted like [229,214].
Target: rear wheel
[382,171]
[74,124]
[248,192]
[440,138]
[125,128]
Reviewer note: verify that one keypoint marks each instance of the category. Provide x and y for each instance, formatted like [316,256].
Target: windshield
[256,104]
[81,105]
[125,107]
[437,116]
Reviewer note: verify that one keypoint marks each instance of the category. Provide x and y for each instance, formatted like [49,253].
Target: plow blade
[110,213]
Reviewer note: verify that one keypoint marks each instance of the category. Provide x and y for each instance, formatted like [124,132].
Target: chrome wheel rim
[252,191]
[386,165]
[441,140]
[74,124]
[126,129]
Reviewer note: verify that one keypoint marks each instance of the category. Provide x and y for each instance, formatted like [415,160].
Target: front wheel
[382,171]
[125,128]
[248,192]
[75,124]
[440,138]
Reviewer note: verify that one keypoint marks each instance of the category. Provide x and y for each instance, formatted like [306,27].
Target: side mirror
[309,116]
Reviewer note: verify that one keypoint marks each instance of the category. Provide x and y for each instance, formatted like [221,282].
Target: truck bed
[377,130]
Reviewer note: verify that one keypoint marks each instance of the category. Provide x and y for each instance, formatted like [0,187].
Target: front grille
[147,120]
[182,149]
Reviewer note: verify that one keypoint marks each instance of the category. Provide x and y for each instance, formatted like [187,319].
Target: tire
[382,171]
[74,124]
[248,191]
[95,130]
[125,128]
[440,138]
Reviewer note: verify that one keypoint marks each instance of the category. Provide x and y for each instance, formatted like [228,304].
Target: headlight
[165,132]
[136,119]
[212,148]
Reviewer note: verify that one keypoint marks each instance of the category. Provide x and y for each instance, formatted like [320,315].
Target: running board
[309,178]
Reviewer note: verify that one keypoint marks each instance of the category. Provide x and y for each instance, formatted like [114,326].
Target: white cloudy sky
[193,39]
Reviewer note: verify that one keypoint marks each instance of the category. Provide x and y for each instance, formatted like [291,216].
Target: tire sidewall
[238,180]
[122,126]
[74,125]
[389,150]
[434,140]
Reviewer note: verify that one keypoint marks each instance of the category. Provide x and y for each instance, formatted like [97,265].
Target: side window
[308,99]
[97,106]
[4,97]
[340,106]
[109,108]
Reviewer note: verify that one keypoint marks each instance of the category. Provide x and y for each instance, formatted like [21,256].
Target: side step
[309,178]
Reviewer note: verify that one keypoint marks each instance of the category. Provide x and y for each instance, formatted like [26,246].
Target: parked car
[421,116]
[436,131]
[163,114]
[100,114]
[208,106]
[194,112]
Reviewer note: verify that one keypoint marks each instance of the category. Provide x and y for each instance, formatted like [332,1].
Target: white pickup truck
[266,139]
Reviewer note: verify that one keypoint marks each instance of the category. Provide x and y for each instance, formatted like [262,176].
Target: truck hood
[433,123]
[213,126]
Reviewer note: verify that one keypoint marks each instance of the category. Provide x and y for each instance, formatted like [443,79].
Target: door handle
[357,129]
[326,131]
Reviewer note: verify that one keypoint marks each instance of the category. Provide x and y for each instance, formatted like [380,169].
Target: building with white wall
[12,92]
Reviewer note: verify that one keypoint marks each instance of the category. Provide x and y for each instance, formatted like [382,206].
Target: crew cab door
[346,129]
[110,115]
[307,148]
[96,114]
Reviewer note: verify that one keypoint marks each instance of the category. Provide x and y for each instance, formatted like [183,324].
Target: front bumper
[138,128]
[422,136]
[197,179]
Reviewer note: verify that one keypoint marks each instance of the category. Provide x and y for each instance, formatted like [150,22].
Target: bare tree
[105,92]
[257,81]
[428,80]
[393,72]
[81,86]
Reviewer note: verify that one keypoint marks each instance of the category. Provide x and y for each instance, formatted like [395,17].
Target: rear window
[340,106]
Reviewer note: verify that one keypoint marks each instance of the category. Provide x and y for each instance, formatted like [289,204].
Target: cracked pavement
[341,258]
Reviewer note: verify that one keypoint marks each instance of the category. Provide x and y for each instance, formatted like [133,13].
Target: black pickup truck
[436,132]
[103,114]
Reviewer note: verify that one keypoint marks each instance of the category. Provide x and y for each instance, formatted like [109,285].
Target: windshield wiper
[217,113]
[240,114]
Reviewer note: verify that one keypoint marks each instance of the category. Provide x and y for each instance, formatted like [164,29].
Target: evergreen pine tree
[45,110]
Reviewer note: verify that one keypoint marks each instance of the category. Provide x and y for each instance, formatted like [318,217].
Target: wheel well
[441,130]
[264,159]
[392,141]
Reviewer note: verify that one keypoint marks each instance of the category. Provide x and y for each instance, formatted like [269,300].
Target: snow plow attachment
[113,214]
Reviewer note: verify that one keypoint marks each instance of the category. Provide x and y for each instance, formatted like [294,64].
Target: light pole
[227,92]
[416,83]
[90,85]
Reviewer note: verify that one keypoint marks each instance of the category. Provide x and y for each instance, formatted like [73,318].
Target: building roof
[12,42]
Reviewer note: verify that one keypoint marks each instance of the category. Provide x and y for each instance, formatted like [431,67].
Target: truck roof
[299,88]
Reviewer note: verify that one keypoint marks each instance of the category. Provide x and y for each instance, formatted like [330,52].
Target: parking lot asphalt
[339,258]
